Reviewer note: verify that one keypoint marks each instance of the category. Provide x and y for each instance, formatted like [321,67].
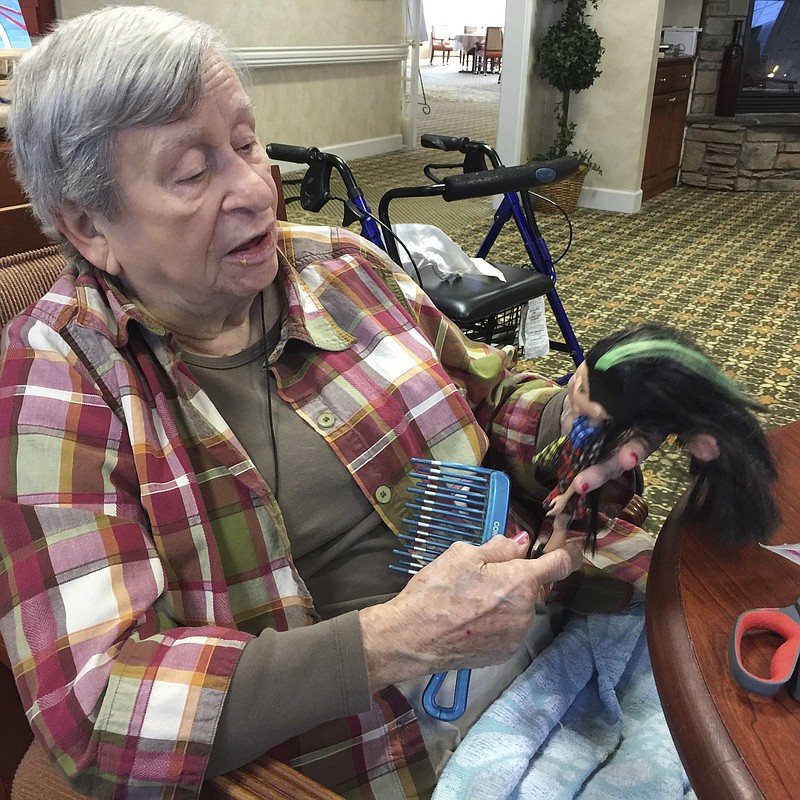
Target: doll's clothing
[572,453]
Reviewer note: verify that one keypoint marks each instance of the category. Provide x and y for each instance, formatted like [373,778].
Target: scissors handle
[784,663]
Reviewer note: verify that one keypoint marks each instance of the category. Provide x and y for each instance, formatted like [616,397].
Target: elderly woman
[207,427]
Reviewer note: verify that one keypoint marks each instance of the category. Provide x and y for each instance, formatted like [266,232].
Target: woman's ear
[86,232]
[703,446]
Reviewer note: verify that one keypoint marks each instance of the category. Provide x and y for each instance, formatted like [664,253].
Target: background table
[464,42]
[734,744]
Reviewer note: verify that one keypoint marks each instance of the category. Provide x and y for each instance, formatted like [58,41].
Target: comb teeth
[450,503]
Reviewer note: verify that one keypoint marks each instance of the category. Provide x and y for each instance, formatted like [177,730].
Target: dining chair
[441,44]
[491,50]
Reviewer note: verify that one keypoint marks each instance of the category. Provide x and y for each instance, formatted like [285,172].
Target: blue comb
[450,503]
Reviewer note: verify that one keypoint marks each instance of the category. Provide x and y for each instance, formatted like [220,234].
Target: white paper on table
[790,551]
[485,268]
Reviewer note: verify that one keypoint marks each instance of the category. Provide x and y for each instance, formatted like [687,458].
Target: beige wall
[683,13]
[613,114]
[616,109]
[350,104]
[325,105]
[252,23]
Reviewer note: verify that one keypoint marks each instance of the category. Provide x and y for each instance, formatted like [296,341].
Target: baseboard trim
[350,151]
[610,200]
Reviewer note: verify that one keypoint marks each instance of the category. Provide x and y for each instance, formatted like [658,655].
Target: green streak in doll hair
[665,348]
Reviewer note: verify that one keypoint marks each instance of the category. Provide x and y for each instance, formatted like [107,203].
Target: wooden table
[733,744]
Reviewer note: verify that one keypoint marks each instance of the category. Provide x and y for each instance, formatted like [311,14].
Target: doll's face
[579,398]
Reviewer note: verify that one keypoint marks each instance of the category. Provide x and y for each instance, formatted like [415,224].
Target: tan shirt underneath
[291,681]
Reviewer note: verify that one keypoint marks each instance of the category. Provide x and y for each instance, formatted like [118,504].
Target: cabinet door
[38,15]
[654,154]
[662,157]
[674,122]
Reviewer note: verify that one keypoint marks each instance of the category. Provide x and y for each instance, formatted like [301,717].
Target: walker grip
[292,153]
[449,143]
[508,179]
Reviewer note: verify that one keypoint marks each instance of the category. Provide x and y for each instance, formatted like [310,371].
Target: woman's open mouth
[253,249]
[250,244]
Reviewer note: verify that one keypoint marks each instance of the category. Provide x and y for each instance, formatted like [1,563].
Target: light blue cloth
[583,721]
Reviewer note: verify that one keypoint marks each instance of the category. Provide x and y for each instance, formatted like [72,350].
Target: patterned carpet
[723,266]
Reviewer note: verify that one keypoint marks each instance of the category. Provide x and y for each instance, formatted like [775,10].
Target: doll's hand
[628,456]
[558,505]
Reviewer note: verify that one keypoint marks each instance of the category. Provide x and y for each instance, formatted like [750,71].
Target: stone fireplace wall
[748,152]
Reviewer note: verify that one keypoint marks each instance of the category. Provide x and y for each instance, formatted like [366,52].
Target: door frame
[517,61]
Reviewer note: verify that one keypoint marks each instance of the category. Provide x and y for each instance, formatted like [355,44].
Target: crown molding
[296,56]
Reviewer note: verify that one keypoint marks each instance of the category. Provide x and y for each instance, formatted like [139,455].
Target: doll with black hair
[637,387]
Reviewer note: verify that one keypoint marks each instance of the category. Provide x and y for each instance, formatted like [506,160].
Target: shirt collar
[306,320]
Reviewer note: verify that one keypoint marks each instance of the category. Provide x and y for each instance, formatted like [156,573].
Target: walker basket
[499,329]
[563,193]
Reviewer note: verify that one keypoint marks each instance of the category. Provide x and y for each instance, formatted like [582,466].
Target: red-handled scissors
[785,663]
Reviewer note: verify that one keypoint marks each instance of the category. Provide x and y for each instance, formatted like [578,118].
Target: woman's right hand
[470,607]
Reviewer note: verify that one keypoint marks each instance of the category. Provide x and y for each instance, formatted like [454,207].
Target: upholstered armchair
[492,50]
[441,44]
[24,277]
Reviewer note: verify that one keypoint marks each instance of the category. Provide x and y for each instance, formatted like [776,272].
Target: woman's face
[197,225]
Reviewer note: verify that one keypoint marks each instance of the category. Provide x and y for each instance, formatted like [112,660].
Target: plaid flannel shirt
[118,478]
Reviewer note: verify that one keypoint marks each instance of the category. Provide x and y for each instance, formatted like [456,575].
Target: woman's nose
[250,187]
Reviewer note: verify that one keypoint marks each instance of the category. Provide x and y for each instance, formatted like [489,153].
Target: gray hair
[94,76]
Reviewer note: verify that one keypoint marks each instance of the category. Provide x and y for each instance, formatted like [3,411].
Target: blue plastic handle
[447,713]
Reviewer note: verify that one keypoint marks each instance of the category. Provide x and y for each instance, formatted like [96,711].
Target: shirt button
[326,419]
[383,494]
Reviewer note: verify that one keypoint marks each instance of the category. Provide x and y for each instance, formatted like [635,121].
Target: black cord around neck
[271,421]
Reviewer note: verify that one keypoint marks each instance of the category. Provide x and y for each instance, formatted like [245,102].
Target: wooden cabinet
[662,157]
[18,228]
[38,15]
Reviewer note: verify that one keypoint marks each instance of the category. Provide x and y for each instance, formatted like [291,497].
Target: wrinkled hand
[470,607]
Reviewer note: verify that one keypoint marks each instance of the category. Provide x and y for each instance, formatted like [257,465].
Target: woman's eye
[246,149]
[196,176]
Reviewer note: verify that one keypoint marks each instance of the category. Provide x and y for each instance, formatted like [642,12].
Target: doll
[637,387]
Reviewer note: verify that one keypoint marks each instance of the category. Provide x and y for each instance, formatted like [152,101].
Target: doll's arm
[593,477]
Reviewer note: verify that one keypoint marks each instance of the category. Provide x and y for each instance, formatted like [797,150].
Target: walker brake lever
[315,188]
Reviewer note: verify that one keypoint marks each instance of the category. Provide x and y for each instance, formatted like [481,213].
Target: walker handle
[508,179]
[448,143]
[292,153]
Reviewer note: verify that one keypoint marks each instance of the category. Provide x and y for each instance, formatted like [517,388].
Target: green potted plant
[568,57]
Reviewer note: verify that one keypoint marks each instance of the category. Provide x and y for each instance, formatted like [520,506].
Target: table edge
[713,764]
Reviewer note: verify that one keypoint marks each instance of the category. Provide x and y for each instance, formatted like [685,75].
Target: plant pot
[564,193]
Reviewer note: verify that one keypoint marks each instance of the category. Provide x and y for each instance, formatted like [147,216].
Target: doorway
[442,87]
[516,17]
